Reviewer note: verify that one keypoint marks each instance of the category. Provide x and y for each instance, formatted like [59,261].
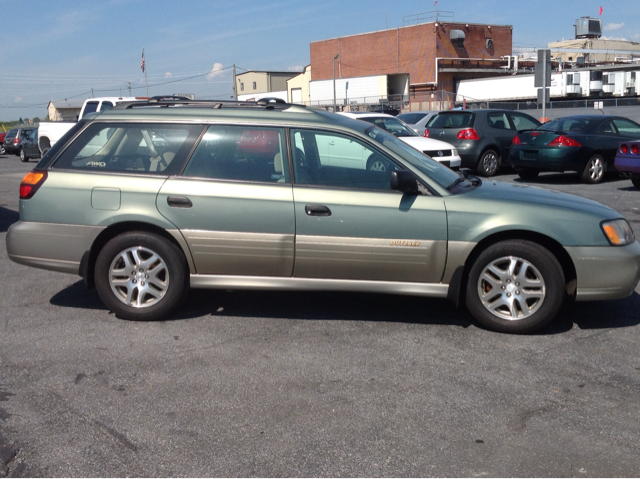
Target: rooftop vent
[587,27]
[457,38]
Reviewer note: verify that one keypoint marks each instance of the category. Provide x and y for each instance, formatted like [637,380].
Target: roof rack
[178,101]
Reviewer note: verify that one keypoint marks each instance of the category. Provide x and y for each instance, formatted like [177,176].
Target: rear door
[501,131]
[350,225]
[234,204]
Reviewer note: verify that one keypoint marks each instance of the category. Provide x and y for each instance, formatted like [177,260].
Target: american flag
[142,62]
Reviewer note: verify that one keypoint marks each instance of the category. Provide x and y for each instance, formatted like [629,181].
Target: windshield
[434,170]
[411,118]
[567,124]
[392,125]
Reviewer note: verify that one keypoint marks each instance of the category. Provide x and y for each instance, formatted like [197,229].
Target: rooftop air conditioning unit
[587,27]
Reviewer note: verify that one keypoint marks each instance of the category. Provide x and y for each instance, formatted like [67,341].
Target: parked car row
[22,142]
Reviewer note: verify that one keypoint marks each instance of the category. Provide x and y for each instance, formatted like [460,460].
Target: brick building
[435,55]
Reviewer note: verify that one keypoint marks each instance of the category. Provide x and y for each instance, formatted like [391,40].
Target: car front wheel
[515,286]
[141,276]
[594,170]
[377,164]
[488,164]
[23,158]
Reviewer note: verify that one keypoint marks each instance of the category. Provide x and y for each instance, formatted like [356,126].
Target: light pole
[334,81]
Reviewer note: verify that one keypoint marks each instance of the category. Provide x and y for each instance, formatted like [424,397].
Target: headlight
[618,232]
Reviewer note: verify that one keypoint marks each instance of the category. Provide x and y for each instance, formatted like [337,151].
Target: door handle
[179,202]
[317,210]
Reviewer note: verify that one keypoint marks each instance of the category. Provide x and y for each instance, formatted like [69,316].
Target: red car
[2,135]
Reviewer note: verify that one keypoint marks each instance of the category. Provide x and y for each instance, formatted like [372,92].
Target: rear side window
[498,120]
[90,107]
[523,122]
[240,153]
[411,118]
[452,120]
[627,127]
[131,148]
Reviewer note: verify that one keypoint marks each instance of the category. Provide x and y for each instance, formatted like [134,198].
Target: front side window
[606,128]
[334,160]
[240,153]
[130,148]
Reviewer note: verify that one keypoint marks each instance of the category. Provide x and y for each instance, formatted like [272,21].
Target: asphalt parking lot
[241,383]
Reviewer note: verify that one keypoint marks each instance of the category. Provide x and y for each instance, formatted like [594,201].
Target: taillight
[564,141]
[426,133]
[30,183]
[516,140]
[468,134]
[634,149]
[624,149]
[16,140]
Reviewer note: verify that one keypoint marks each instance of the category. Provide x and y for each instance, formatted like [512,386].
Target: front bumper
[605,272]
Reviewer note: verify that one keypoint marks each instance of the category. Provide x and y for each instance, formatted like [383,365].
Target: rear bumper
[552,159]
[606,272]
[55,247]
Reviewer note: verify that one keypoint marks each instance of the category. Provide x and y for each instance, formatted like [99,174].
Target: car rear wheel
[141,276]
[488,164]
[377,163]
[23,158]
[515,286]
[636,182]
[594,170]
[527,174]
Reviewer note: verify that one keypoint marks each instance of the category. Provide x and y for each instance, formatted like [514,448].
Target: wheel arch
[458,283]
[87,264]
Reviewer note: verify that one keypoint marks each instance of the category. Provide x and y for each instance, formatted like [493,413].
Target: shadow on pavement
[7,218]
[303,305]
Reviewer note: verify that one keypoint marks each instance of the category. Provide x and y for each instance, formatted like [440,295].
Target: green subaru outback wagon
[151,198]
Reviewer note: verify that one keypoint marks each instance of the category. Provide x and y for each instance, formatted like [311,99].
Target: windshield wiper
[464,176]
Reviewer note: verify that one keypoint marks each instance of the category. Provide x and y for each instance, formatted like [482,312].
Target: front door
[351,225]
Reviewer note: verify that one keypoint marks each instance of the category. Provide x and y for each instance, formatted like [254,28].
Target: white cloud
[168,75]
[636,36]
[610,27]
[620,39]
[215,71]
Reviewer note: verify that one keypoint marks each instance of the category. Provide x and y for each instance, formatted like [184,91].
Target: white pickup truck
[49,132]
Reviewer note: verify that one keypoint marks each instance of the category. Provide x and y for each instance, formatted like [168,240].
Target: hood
[422,144]
[495,190]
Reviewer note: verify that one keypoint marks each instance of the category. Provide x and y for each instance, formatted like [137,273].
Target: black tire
[2,150]
[527,174]
[160,282]
[488,163]
[377,163]
[501,300]
[44,151]
[22,156]
[636,182]
[594,170]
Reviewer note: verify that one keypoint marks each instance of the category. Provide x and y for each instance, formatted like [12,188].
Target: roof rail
[178,101]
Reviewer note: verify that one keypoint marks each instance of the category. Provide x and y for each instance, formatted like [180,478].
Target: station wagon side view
[151,198]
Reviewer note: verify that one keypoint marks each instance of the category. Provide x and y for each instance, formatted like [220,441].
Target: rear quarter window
[452,120]
[157,149]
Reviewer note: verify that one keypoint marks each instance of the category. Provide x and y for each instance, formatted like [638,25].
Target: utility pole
[235,91]
[129,86]
[92,93]
[334,81]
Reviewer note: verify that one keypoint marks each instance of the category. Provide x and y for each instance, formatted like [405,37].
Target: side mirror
[404,181]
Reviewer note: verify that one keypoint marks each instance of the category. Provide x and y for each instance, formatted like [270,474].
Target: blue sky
[57,49]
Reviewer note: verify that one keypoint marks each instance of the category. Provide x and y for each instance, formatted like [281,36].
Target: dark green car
[586,144]
[152,198]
